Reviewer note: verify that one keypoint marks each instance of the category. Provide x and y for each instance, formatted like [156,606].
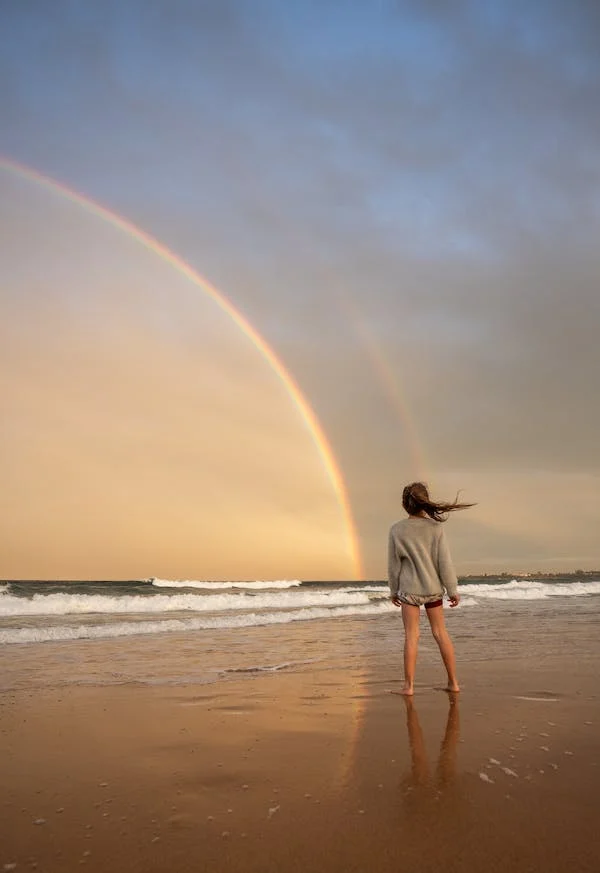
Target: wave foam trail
[81,604]
[270,668]
[216,586]
[527,589]
[122,629]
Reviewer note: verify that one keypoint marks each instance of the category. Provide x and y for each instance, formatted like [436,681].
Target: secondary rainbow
[162,251]
[389,382]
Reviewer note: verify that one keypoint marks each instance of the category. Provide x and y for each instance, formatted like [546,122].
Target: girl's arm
[445,567]
[393,566]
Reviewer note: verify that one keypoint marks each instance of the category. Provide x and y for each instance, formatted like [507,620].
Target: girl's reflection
[422,790]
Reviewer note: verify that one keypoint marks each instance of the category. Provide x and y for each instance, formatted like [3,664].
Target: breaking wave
[122,629]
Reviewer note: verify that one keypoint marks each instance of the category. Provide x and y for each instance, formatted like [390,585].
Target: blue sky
[407,110]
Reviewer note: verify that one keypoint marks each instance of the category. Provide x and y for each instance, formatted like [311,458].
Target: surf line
[162,251]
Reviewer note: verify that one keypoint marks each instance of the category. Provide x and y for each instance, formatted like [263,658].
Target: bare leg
[442,638]
[410,618]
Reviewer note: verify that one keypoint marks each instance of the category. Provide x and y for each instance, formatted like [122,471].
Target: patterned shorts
[427,600]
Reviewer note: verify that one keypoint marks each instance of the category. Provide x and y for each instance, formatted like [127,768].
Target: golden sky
[145,434]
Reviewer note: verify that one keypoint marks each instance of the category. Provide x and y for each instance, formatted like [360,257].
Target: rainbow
[390,384]
[166,254]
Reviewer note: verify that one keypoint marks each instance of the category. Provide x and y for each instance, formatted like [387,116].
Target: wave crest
[122,629]
[217,586]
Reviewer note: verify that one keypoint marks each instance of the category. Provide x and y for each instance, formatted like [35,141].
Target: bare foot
[405,692]
[453,687]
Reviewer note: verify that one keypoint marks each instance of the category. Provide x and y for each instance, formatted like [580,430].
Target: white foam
[217,586]
[269,668]
[135,604]
[372,589]
[529,589]
[123,629]
[467,601]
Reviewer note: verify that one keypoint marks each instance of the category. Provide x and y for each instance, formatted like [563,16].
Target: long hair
[416,499]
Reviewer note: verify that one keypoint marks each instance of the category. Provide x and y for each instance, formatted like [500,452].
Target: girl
[419,572]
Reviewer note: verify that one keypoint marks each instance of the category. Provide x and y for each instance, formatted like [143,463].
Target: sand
[313,770]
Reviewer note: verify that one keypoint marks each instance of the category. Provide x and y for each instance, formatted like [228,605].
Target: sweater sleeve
[445,567]
[393,566]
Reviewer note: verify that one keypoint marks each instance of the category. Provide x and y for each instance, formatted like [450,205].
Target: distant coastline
[533,574]
[520,574]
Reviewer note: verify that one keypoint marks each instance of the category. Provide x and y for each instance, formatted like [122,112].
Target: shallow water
[493,630]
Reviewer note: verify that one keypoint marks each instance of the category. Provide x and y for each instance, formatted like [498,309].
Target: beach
[312,764]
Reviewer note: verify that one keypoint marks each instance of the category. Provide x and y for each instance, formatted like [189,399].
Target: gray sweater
[419,559]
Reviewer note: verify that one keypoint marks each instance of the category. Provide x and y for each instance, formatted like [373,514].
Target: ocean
[192,632]
[41,611]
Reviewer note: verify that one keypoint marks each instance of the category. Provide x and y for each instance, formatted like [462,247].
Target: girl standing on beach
[419,572]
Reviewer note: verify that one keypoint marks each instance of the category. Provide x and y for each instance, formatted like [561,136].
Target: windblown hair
[415,499]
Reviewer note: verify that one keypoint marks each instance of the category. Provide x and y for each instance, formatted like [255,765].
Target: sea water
[192,631]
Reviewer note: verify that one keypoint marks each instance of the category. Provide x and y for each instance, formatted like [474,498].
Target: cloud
[420,179]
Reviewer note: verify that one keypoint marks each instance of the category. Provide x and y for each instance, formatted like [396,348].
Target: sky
[401,199]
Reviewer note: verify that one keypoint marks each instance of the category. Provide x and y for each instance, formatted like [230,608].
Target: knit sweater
[419,559]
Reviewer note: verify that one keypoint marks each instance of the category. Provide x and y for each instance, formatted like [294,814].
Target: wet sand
[318,770]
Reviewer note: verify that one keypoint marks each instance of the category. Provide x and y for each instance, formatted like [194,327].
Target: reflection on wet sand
[421,787]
